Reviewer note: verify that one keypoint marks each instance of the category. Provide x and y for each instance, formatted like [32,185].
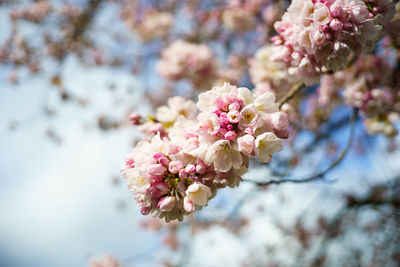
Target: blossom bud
[190,169]
[163,161]
[154,192]
[201,167]
[217,112]
[156,169]
[230,135]
[222,131]
[166,203]
[279,121]
[319,37]
[188,205]
[135,118]
[163,187]
[175,166]
[145,210]
[336,25]
[158,128]
[158,155]
[223,119]
[155,178]
[130,163]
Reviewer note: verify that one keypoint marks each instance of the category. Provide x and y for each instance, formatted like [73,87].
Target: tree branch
[292,93]
[322,173]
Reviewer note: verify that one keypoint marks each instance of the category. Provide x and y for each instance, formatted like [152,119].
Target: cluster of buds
[319,35]
[184,60]
[178,168]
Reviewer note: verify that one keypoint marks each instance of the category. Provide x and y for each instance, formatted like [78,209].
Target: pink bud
[175,166]
[163,161]
[190,169]
[135,118]
[145,210]
[230,135]
[319,37]
[201,167]
[156,169]
[336,25]
[284,134]
[130,163]
[158,128]
[217,112]
[222,131]
[154,192]
[158,155]
[163,187]
[223,120]
[347,25]
[188,205]
[279,121]
[183,174]
[166,203]
[155,178]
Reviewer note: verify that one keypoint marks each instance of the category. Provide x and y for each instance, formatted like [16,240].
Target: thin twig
[296,88]
[322,173]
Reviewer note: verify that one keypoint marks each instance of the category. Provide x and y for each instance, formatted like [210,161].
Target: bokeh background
[63,200]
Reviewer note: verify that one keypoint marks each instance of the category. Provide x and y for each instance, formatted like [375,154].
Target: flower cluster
[155,25]
[36,12]
[319,35]
[239,19]
[269,75]
[184,60]
[148,24]
[367,86]
[242,16]
[179,168]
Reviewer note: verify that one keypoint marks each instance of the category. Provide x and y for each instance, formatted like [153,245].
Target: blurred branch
[292,93]
[375,197]
[322,173]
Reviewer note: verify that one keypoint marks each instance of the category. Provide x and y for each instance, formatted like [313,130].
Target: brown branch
[292,93]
